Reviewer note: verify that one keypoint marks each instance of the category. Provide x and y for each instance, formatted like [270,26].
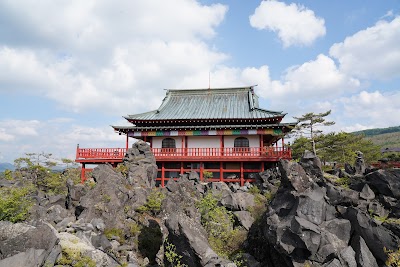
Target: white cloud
[93,24]
[317,79]
[18,137]
[20,128]
[372,53]
[4,136]
[295,24]
[106,56]
[376,108]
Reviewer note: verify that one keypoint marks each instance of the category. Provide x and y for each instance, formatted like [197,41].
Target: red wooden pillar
[201,171]
[221,172]
[262,166]
[261,144]
[162,174]
[221,145]
[241,174]
[186,145]
[83,171]
[283,146]
[181,167]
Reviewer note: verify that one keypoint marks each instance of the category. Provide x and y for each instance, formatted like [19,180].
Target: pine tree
[308,124]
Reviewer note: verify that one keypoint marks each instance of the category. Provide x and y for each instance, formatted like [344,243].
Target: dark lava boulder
[27,245]
[141,165]
[311,221]
[182,221]
[385,182]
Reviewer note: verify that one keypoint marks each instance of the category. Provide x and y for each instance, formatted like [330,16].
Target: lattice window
[168,143]
[241,142]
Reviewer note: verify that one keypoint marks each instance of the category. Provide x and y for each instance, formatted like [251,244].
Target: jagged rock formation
[182,221]
[313,219]
[141,164]
[27,245]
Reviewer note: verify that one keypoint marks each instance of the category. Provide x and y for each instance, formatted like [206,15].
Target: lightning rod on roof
[209,80]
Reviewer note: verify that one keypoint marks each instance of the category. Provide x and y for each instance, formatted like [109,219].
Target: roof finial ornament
[209,80]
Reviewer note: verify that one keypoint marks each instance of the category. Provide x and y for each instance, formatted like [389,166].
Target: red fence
[99,154]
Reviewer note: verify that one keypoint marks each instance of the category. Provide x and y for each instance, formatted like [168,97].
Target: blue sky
[70,69]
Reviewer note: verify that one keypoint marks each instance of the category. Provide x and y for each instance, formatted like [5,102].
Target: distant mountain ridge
[6,166]
[378,131]
[383,137]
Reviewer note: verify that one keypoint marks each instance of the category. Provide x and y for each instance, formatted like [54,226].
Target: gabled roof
[221,103]
[286,127]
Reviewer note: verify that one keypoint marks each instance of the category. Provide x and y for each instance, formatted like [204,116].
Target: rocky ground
[346,218]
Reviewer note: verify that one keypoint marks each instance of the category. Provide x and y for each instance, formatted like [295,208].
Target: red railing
[227,152]
[100,153]
[189,153]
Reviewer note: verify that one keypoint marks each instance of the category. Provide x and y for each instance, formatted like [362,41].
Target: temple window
[241,142]
[168,143]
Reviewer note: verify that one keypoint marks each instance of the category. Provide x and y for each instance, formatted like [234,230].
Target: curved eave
[172,122]
[286,127]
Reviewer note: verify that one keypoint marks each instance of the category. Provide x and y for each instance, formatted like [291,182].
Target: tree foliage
[338,147]
[224,239]
[15,203]
[309,124]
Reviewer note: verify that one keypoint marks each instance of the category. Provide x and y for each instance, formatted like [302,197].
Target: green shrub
[74,257]
[173,258]
[123,169]
[393,259]
[8,175]
[254,190]
[153,203]
[269,196]
[343,182]
[111,233]
[207,174]
[134,228]
[218,222]
[15,203]
[260,204]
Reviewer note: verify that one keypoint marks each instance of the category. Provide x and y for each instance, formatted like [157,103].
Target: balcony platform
[115,155]
[239,155]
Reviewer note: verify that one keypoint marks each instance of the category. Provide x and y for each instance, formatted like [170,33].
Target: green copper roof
[222,103]
[289,126]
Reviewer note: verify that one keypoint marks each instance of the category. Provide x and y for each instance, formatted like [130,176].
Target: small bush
[254,190]
[111,233]
[173,258]
[15,203]
[260,206]
[207,174]
[134,228]
[153,203]
[343,182]
[123,169]
[218,222]
[8,175]
[393,259]
[74,257]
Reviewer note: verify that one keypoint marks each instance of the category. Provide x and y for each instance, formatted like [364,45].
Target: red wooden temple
[222,134]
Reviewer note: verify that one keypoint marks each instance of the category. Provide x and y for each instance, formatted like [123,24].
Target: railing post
[162,175]
[221,173]
[83,171]
[201,171]
[241,174]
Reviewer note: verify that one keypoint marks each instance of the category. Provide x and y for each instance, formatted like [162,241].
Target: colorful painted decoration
[274,132]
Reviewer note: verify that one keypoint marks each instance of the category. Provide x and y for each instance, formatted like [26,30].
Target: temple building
[222,134]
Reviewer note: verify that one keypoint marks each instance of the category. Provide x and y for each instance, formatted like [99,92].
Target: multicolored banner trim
[274,132]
